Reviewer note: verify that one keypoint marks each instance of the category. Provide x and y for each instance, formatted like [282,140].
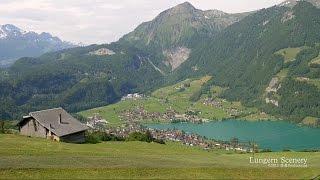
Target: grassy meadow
[24,157]
[315,60]
[178,97]
[289,54]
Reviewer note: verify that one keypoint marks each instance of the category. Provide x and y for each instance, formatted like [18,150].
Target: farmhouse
[55,124]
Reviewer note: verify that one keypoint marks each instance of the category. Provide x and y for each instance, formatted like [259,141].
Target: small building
[55,124]
[134,96]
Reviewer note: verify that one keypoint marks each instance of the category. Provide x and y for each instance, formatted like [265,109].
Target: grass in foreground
[23,157]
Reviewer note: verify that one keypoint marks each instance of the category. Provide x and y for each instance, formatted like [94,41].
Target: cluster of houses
[212,102]
[134,96]
[96,122]
[140,114]
[102,52]
[125,129]
[197,140]
[233,112]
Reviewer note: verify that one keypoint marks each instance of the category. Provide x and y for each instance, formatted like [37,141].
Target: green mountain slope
[76,79]
[177,99]
[292,3]
[243,59]
[180,27]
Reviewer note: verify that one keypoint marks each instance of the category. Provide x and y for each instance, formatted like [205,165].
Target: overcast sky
[102,21]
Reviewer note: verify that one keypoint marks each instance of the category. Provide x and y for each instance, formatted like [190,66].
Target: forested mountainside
[16,43]
[76,79]
[244,59]
[292,3]
[268,59]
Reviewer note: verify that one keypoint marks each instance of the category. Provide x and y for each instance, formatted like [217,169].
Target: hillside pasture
[25,158]
[289,54]
[178,97]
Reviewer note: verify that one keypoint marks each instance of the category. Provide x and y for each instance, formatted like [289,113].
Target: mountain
[76,79]
[266,59]
[97,75]
[292,3]
[176,26]
[174,32]
[16,43]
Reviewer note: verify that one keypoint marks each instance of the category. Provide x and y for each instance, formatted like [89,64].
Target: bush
[93,138]
[195,96]
[140,136]
[111,137]
[182,89]
[2,127]
[187,85]
[159,141]
[266,150]
[311,150]
[286,150]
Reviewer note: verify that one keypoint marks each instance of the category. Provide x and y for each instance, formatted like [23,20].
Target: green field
[289,54]
[315,82]
[23,157]
[177,97]
[315,60]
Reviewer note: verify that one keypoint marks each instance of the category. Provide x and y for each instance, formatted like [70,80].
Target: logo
[283,162]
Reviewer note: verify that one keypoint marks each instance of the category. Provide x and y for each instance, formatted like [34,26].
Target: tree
[1,126]
[149,137]
[234,142]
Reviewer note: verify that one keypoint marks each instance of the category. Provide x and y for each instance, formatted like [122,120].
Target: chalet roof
[50,119]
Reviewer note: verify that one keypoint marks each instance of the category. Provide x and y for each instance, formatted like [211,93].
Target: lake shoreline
[275,135]
[204,121]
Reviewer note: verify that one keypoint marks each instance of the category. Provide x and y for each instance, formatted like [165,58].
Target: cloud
[100,21]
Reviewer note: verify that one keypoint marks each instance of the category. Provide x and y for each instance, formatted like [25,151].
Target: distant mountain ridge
[16,43]
[292,3]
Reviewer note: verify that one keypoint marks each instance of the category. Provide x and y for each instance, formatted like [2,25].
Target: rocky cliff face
[176,56]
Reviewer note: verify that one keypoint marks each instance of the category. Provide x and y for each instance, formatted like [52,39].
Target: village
[139,114]
[135,117]
[97,123]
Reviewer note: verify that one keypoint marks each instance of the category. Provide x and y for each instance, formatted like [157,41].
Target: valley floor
[174,102]
[23,157]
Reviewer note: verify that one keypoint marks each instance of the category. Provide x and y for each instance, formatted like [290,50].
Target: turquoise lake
[275,135]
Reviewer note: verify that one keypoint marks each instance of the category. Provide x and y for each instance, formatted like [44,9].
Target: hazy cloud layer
[102,21]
